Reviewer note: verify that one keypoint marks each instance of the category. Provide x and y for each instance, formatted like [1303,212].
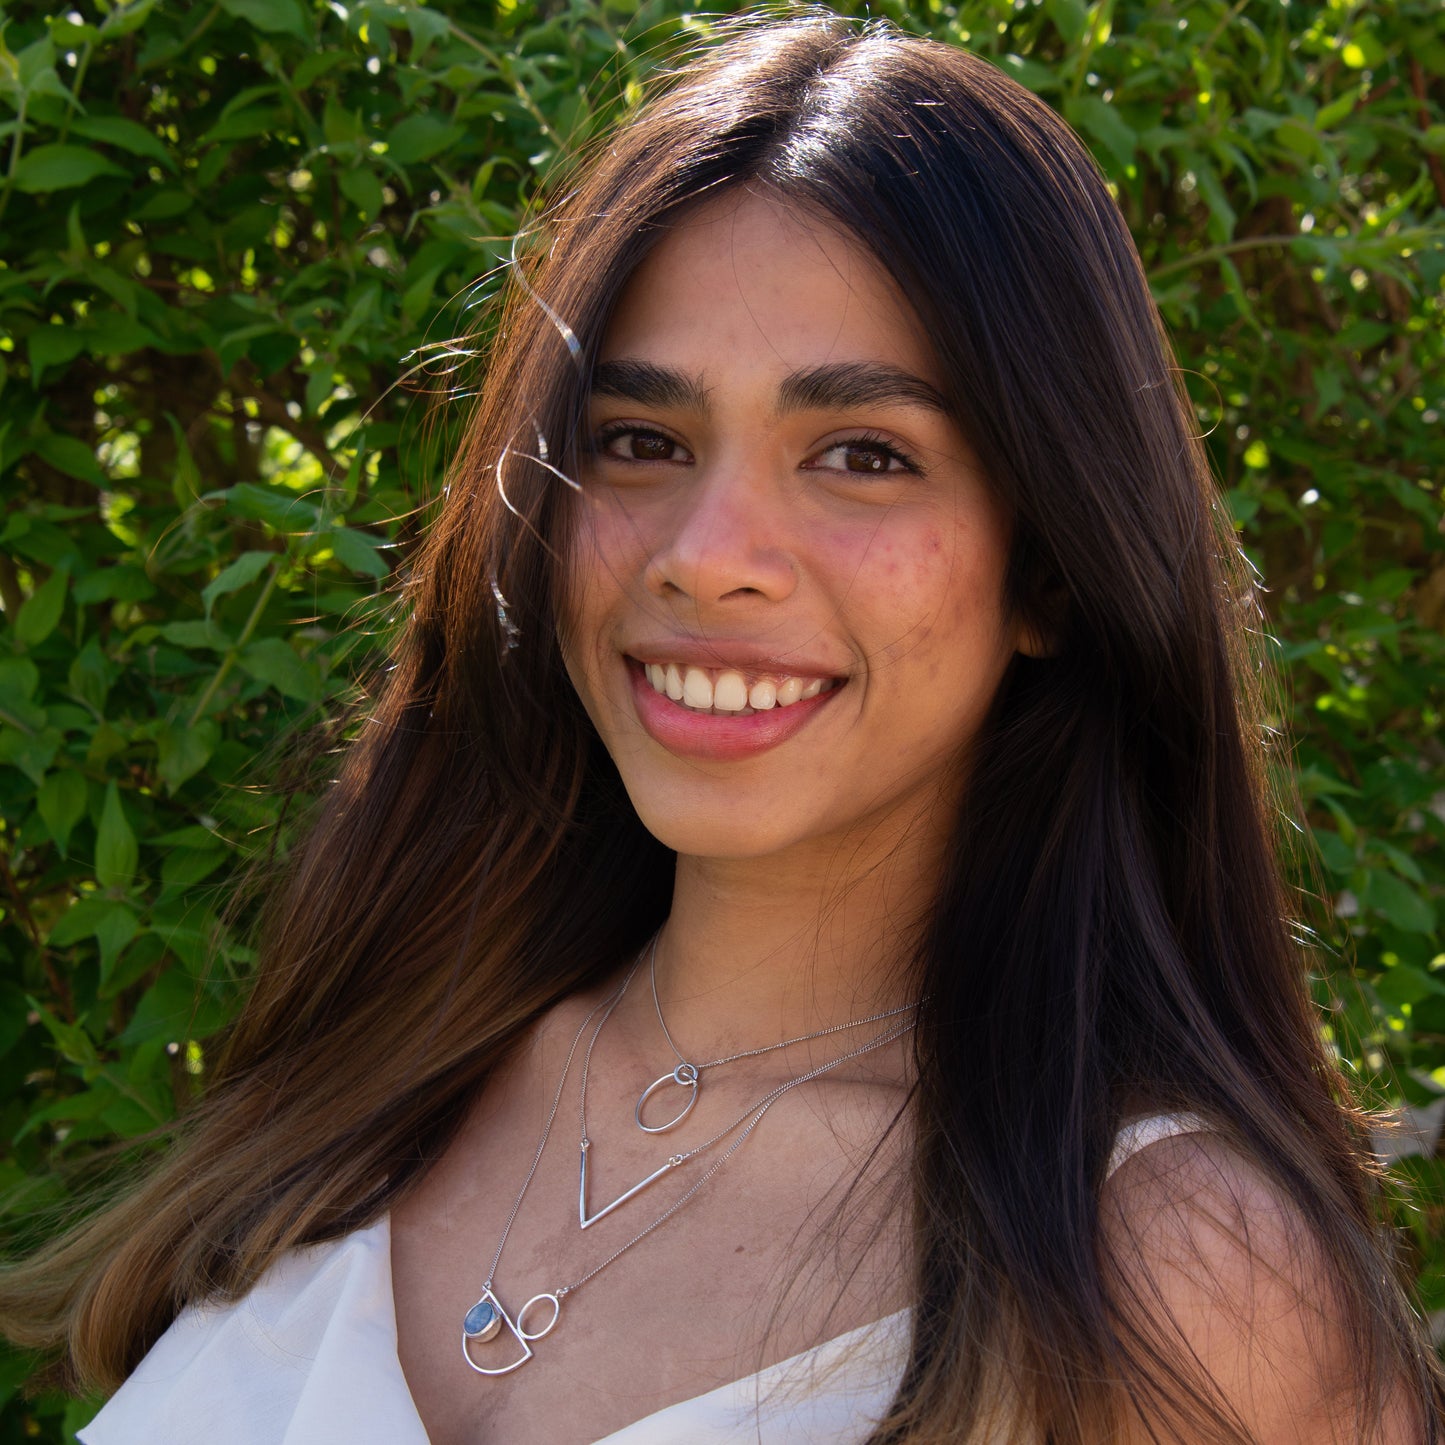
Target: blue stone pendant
[487,1319]
[483,1321]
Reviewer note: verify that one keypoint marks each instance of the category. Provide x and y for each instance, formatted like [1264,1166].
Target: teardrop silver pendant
[685,1075]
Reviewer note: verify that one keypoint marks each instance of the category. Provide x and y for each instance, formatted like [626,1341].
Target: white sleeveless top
[308,1357]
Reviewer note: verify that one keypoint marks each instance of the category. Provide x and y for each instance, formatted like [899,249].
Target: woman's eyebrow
[831,386]
[842,384]
[651,385]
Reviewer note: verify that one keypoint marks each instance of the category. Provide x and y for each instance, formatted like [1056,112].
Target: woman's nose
[726,539]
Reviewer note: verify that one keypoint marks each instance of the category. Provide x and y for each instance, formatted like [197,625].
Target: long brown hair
[1110,930]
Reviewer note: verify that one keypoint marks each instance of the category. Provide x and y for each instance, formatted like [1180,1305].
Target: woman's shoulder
[1215,1264]
[310,1350]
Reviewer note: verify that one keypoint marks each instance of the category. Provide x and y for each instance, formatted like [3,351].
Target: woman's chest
[713,1270]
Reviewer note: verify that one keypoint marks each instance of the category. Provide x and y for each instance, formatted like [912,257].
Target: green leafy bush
[236,241]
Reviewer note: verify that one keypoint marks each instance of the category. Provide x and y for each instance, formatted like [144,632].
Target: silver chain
[552,1114]
[766,1048]
[751,1117]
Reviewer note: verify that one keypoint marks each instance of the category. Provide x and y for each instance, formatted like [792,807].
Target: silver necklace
[689,1075]
[488,1319]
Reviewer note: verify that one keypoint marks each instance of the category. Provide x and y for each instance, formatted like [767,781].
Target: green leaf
[48,346]
[40,613]
[283,510]
[116,852]
[31,752]
[173,1008]
[426,27]
[14,1017]
[1040,79]
[75,1045]
[197,634]
[60,168]
[1402,905]
[184,866]
[358,553]
[71,456]
[185,750]
[273,16]
[420,137]
[274,662]
[1339,109]
[342,128]
[240,573]
[61,800]
[363,190]
[111,923]
[1071,17]
[1338,856]
[126,19]
[123,582]
[127,135]
[89,677]
[19,678]
[1222,217]
[1101,122]
[163,205]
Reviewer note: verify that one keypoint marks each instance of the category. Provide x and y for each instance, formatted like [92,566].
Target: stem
[15,148]
[229,660]
[521,90]
[1422,97]
[129,1091]
[1226,20]
[1103,12]
[1216,253]
[186,43]
[12,599]
[58,986]
[80,68]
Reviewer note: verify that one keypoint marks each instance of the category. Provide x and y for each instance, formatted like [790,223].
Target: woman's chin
[710,837]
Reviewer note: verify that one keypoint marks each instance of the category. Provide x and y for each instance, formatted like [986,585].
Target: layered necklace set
[495,1341]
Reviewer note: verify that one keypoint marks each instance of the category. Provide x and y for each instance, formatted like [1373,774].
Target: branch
[11,597]
[1417,84]
[272,410]
[58,987]
[1217,253]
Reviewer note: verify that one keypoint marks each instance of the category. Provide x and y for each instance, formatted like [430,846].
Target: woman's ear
[1043,621]
[1041,601]
[1036,641]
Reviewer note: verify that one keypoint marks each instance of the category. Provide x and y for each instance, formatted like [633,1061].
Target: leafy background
[235,241]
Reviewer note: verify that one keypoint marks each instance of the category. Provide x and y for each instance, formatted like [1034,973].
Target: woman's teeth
[705,690]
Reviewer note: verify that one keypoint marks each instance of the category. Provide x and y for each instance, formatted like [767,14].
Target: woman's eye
[871,458]
[637,444]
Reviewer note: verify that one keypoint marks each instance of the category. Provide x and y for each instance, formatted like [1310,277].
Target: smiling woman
[783,520]
[822,736]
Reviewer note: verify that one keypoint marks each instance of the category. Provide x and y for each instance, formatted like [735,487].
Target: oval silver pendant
[684,1075]
[545,1299]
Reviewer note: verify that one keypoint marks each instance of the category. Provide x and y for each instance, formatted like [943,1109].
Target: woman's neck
[755,950]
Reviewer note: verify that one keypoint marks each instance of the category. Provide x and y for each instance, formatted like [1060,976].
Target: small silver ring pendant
[545,1299]
[684,1074]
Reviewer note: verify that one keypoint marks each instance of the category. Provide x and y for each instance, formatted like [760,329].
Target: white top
[308,1357]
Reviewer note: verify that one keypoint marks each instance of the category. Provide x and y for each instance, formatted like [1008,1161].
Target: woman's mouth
[725,714]
[727,692]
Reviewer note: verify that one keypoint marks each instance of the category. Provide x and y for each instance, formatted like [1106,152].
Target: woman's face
[785,610]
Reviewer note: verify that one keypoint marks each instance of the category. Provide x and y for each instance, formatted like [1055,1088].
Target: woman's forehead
[752,272]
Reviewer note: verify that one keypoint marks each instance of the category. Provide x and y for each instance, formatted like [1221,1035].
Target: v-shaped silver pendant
[588,1220]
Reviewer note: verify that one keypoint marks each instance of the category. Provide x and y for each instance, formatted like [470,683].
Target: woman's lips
[675,716]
